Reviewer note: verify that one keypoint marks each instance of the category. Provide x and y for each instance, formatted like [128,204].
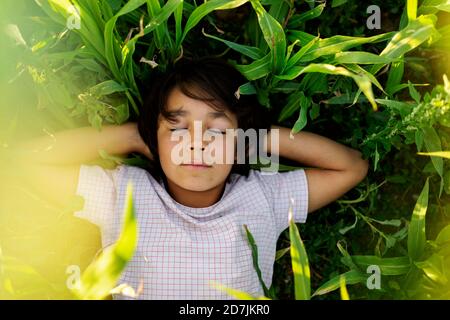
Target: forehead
[180,105]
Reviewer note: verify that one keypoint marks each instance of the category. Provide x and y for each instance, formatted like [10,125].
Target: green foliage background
[314,64]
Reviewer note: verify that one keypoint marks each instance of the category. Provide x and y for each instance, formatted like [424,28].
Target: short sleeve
[279,188]
[98,187]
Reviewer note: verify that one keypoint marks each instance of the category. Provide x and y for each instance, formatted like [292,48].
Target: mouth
[195,166]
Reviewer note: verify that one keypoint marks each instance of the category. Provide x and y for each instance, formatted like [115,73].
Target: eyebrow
[214,115]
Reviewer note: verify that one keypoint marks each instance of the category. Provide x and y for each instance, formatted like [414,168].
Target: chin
[196,186]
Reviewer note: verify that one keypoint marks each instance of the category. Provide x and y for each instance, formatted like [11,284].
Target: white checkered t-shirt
[181,248]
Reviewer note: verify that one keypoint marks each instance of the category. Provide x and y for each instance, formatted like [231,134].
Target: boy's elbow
[361,169]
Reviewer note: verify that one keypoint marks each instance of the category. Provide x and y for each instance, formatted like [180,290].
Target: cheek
[173,151]
[165,146]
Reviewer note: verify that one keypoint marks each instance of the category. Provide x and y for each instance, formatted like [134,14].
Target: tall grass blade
[274,36]
[416,229]
[351,277]
[300,265]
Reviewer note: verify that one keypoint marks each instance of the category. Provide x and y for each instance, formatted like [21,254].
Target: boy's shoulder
[139,176]
[118,175]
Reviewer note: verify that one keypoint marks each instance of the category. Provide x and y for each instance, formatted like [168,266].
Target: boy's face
[179,146]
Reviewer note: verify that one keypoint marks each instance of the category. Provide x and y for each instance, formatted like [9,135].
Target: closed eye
[217,131]
[174,129]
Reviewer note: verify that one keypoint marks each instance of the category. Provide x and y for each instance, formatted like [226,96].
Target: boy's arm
[337,168]
[50,165]
[81,145]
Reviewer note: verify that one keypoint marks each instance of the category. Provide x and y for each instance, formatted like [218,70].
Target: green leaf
[346,258]
[237,294]
[291,106]
[91,65]
[298,20]
[107,87]
[166,11]
[361,80]
[96,121]
[178,20]
[279,10]
[391,222]
[443,154]
[351,277]
[290,48]
[402,86]
[418,138]
[411,6]
[376,158]
[296,57]
[343,287]
[274,35]
[246,89]
[302,120]
[413,92]
[416,230]
[301,36]
[433,144]
[287,87]
[252,52]
[101,276]
[256,69]
[110,160]
[156,21]
[360,57]
[122,113]
[280,253]
[300,265]
[205,9]
[314,112]
[360,70]
[409,38]
[254,249]
[128,65]
[388,266]
[433,6]
[112,49]
[395,76]
[434,268]
[447,182]
[404,109]
[91,25]
[162,39]
[335,44]
[444,236]
[444,7]
[337,3]
[314,83]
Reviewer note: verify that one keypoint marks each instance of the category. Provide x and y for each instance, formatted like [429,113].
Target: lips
[196,165]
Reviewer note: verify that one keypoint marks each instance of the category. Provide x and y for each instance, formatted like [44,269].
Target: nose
[203,148]
[197,136]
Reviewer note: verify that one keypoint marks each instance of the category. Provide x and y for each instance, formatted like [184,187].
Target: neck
[194,199]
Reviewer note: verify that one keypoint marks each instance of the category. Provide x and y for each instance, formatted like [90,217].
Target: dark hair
[209,79]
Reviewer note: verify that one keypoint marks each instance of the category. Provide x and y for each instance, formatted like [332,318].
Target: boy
[190,211]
